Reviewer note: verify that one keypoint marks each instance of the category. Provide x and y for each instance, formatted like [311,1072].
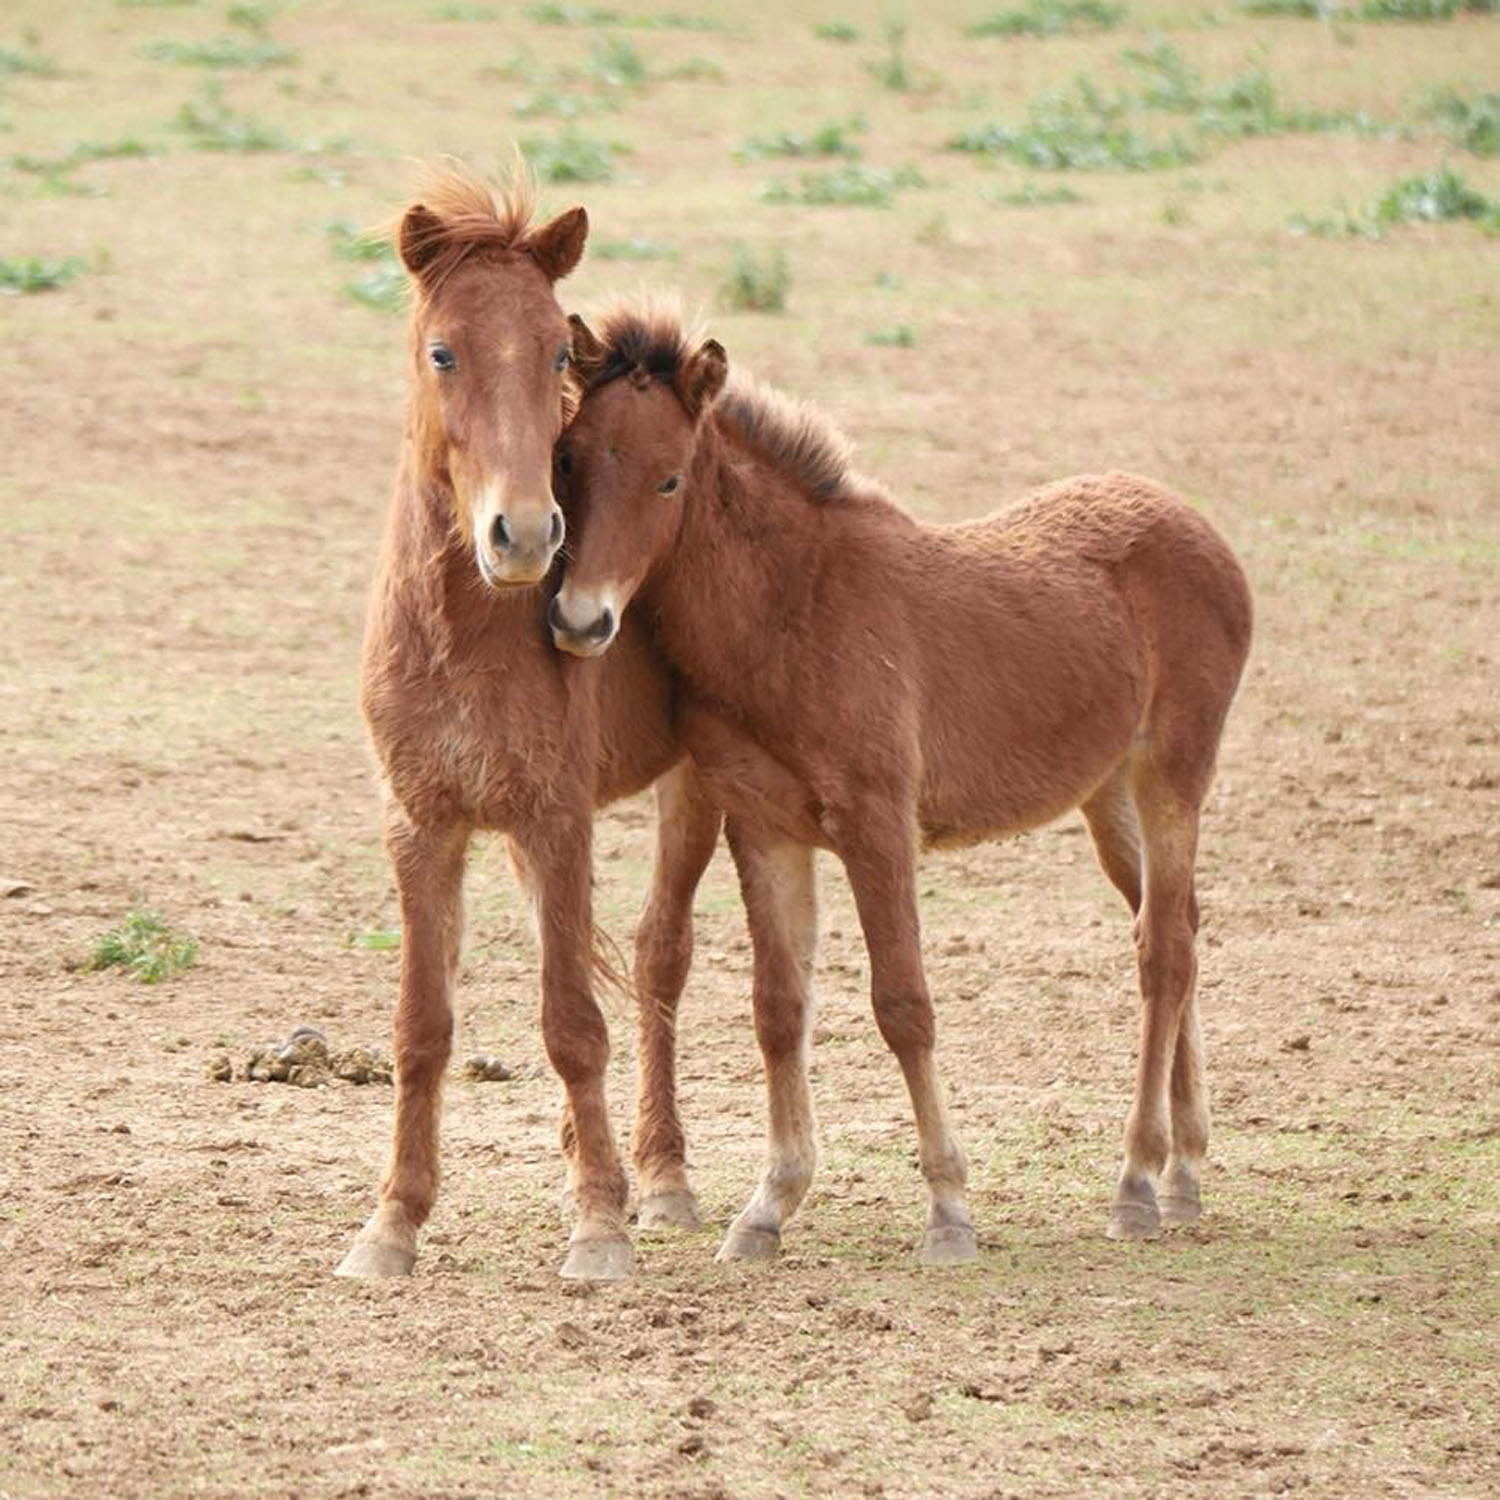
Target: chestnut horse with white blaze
[861,682]
[479,724]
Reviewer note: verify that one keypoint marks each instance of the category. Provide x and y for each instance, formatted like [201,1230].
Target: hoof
[746,1243]
[1179,1210]
[376,1258]
[1134,1221]
[611,1258]
[948,1245]
[677,1209]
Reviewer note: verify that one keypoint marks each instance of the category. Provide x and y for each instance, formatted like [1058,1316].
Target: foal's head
[490,352]
[627,462]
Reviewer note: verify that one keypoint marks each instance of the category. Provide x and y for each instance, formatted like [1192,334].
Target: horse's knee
[576,1039]
[905,1021]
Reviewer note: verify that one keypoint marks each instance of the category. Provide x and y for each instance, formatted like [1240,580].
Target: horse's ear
[558,245]
[588,352]
[702,377]
[419,238]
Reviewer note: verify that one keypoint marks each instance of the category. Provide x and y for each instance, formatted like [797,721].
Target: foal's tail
[612,970]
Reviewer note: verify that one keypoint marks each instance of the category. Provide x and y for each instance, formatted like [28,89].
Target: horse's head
[626,462]
[490,351]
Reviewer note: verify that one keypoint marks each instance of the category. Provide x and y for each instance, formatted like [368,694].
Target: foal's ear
[419,239]
[701,378]
[558,245]
[588,352]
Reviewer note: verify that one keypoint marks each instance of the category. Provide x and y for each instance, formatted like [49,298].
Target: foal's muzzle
[591,639]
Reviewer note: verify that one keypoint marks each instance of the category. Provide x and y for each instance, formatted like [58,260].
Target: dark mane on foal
[467,216]
[791,434]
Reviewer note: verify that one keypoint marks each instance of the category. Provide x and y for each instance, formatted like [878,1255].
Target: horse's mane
[792,435]
[466,215]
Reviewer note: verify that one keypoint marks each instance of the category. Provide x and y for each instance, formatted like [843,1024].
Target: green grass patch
[1081,129]
[846,186]
[223,52]
[1305,8]
[1438,197]
[1473,124]
[614,63]
[753,287]
[827,140]
[145,947]
[637,248]
[30,62]
[376,940]
[21,278]
[253,15]
[384,287]
[892,71]
[836,31]
[349,243]
[571,157]
[466,13]
[600,15]
[903,336]
[54,169]
[1030,195]
[211,125]
[1424,10]
[1050,18]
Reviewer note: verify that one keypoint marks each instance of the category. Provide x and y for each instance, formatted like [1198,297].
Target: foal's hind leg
[687,829]
[778,885]
[1166,928]
[429,867]
[882,871]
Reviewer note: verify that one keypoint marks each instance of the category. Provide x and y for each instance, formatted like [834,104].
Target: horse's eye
[564,461]
[563,360]
[441,357]
[669,486]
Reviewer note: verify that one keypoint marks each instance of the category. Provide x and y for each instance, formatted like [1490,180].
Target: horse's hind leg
[1181,1203]
[429,867]
[882,872]
[687,829]
[1110,815]
[778,885]
[1168,1094]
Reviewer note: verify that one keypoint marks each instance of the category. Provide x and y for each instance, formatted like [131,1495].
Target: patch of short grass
[1435,197]
[55,167]
[253,15]
[1050,18]
[836,31]
[571,157]
[846,186]
[350,243]
[603,15]
[755,287]
[1030,195]
[1423,10]
[1473,124]
[223,52]
[145,947]
[211,125]
[1081,128]
[615,63]
[892,71]
[384,287]
[902,336]
[29,61]
[833,139]
[636,248]
[21,278]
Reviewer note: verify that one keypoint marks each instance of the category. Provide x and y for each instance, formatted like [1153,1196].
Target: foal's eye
[441,357]
[563,360]
[669,486]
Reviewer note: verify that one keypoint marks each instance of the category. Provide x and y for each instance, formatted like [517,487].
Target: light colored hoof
[610,1258]
[376,1258]
[1179,1210]
[948,1245]
[676,1209]
[746,1243]
[1134,1221]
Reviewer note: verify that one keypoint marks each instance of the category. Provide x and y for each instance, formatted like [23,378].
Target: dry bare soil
[197,434]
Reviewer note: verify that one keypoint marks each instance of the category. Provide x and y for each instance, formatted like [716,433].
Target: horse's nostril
[556,534]
[500,534]
[603,627]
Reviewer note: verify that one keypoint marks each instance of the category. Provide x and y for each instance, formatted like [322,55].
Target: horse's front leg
[558,852]
[880,857]
[429,867]
[687,829]
[780,893]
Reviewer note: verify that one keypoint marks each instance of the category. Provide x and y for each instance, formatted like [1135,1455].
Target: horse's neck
[738,564]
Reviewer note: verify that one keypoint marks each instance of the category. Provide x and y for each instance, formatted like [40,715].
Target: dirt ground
[197,437]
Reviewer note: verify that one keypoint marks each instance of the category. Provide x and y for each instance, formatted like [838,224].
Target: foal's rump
[1053,633]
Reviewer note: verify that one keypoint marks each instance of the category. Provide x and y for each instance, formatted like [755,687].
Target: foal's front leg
[687,829]
[558,849]
[780,894]
[429,868]
[881,862]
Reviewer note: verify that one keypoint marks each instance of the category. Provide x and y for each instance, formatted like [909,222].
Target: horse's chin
[575,646]
[509,582]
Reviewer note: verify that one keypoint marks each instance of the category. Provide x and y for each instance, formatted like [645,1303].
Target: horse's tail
[612,970]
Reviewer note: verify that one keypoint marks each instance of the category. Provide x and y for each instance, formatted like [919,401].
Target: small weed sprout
[752,287]
[30,62]
[891,71]
[22,278]
[145,947]
[1050,18]
[349,243]
[828,140]
[571,157]
[836,31]
[634,249]
[903,336]
[224,52]
[1473,124]
[847,186]
[212,126]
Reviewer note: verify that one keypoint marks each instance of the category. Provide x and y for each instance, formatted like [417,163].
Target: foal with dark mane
[479,724]
[860,682]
